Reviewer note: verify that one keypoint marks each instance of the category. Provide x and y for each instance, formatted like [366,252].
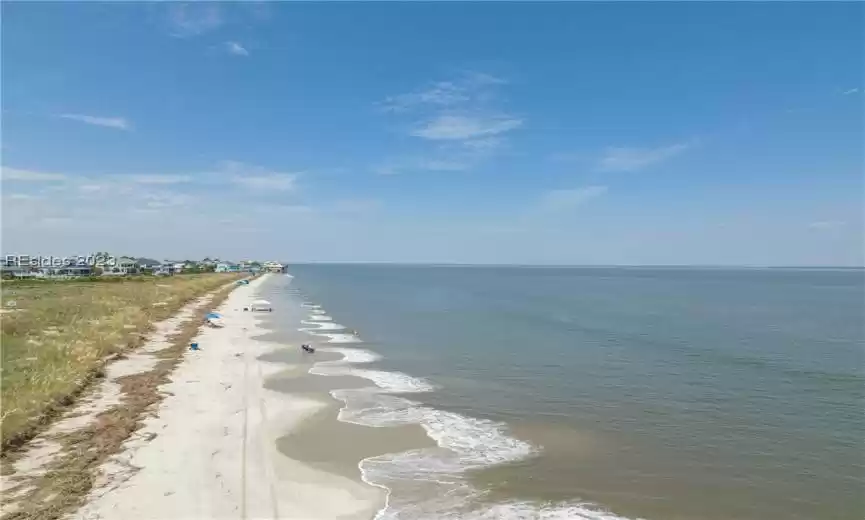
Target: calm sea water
[650,393]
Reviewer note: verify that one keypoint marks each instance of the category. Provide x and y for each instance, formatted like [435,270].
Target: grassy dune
[57,335]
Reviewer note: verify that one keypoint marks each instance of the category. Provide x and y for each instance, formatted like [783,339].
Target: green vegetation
[69,478]
[56,336]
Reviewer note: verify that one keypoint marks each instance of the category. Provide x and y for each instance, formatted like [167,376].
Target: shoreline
[211,448]
[431,453]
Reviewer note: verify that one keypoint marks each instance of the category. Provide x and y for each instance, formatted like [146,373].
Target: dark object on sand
[307,348]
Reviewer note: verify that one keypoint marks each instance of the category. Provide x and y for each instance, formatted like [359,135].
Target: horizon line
[679,266]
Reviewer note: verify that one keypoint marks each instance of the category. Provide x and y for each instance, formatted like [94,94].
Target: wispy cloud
[109,122]
[446,156]
[442,93]
[236,49]
[160,179]
[470,88]
[558,200]
[17,174]
[294,209]
[450,127]
[457,119]
[484,143]
[623,159]
[146,202]
[851,91]
[258,178]
[159,200]
[827,224]
[92,188]
[21,196]
[193,19]
[274,181]
[444,165]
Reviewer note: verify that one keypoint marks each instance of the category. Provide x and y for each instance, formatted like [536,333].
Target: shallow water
[653,393]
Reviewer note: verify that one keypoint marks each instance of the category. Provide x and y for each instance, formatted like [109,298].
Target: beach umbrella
[216,322]
[214,315]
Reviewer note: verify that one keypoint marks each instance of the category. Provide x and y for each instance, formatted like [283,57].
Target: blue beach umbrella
[213,316]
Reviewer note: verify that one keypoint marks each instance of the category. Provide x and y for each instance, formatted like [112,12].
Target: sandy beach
[211,448]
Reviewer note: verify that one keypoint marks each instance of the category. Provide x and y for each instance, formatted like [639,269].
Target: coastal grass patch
[70,477]
[56,337]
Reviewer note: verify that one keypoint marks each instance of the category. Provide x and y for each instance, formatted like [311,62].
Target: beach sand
[210,450]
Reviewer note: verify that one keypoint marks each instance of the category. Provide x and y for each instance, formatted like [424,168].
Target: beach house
[227,267]
[274,267]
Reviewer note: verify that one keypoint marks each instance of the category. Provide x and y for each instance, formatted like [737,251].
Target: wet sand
[319,386]
[324,442]
[321,441]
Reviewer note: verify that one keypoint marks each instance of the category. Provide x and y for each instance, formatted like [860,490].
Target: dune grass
[70,476]
[56,337]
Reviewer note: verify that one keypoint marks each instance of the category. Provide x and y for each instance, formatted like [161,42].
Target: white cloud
[444,165]
[457,157]
[285,208]
[851,91]
[483,144]
[827,224]
[621,159]
[482,79]
[387,169]
[17,174]
[109,122]
[272,181]
[193,19]
[452,127]
[469,88]
[442,93]
[258,178]
[556,200]
[160,179]
[236,49]
[457,118]
[446,156]
[159,200]
[92,188]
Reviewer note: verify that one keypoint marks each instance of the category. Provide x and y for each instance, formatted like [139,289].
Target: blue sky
[555,133]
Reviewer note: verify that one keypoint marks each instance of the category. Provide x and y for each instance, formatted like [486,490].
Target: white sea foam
[463,443]
[320,317]
[353,355]
[553,511]
[320,325]
[339,338]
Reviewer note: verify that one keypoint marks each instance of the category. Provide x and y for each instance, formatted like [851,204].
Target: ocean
[603,393]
